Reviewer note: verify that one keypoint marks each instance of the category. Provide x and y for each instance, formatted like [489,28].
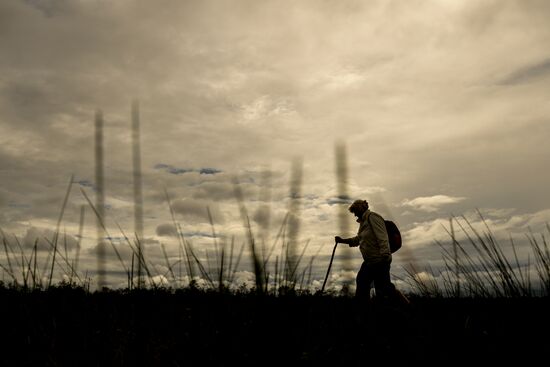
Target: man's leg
[385,289]
[363,282]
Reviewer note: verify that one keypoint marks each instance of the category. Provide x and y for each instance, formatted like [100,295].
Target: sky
[441,107]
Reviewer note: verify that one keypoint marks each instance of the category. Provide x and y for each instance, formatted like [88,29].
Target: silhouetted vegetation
[67,326]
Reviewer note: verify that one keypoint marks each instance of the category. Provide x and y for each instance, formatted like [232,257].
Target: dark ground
[66,327]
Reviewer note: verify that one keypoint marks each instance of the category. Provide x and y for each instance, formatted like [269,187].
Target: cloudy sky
[442,107]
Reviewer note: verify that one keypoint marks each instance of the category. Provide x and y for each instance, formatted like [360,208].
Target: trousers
[377,273]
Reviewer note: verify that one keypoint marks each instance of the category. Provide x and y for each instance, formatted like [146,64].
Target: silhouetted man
[372,240]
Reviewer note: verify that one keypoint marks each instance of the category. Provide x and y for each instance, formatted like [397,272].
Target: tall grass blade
[182,242]
[79,242]
[10,268]
[455,253]
[258,268]
[236,265]
[59,219]
[167,262]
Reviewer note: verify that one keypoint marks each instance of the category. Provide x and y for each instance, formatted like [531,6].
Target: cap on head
[359,206]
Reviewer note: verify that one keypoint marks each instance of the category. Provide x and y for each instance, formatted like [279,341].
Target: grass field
[68,326]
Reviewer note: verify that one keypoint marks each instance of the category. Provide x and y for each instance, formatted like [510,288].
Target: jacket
[372,238]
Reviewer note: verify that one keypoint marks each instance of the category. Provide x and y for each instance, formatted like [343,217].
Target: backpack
[394,235]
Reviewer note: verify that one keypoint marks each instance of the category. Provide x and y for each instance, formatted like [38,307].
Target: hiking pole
[329,266]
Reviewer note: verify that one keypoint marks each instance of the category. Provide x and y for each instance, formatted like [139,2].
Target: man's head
[358,207]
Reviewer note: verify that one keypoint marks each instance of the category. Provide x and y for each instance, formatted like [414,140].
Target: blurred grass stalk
[100,200]
[341,169]
[138,192]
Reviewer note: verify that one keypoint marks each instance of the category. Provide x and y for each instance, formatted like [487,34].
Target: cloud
[158,281]
[195,210]
[179,171]
[214,190]
[265,107]
[49,8]
[262,216]
[122,248]
[527,74]
[44,238]
[173,170]
[166,229]
[209,171]
[149,241]
[85,183]
[340,200]
[421,234]
[425,233]
[199,234]
[431,203]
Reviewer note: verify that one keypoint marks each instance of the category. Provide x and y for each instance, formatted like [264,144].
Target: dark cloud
[340,200]
[86,183]
[50,8]
[528,74]
[209,171]
[166,229]
[173,170]
[196,210]
[179,171]
[262,216]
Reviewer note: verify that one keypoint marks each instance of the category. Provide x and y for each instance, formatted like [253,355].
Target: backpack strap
[373,231]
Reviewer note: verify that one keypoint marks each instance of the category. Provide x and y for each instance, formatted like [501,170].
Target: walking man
[372,240]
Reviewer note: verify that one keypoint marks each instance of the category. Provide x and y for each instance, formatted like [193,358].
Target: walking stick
[329,266]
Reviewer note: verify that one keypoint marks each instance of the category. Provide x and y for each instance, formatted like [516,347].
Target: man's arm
[352,241]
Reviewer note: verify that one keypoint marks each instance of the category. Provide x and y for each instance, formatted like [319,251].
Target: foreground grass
[69,326]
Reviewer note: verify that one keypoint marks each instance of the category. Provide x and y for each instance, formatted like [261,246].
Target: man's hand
[338,239]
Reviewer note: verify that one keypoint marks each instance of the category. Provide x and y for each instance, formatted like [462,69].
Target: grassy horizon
[476,265]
